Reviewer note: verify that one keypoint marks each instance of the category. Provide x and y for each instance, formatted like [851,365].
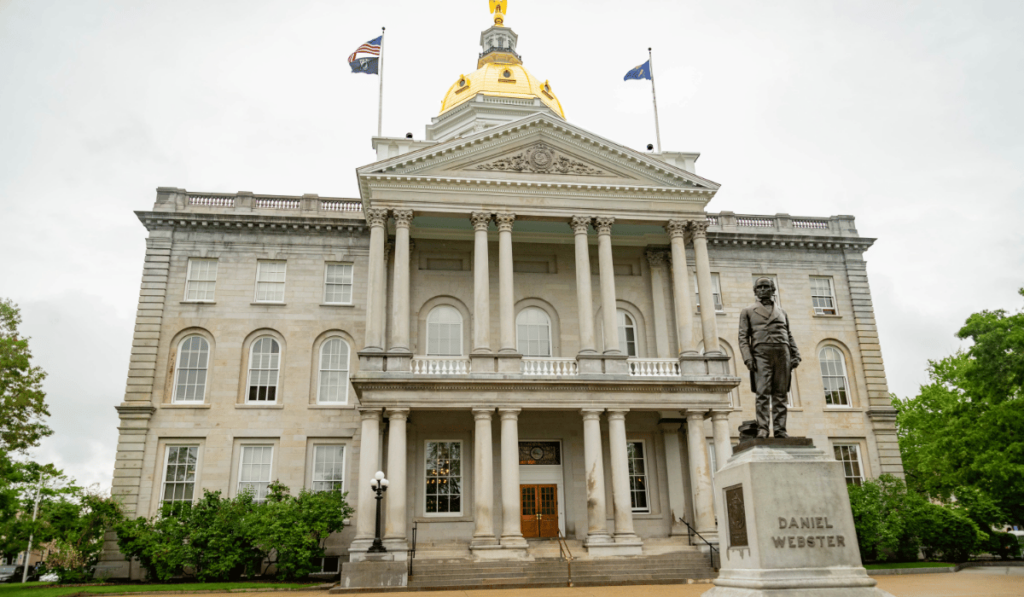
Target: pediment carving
[541,158]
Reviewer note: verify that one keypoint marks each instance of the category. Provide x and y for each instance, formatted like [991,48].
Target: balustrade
[549,366]
[653,367]
[276,203]
[211,201]
[332,205]
[440,365]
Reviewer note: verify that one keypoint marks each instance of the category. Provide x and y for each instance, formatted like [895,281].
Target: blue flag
[641,72]
[365,65]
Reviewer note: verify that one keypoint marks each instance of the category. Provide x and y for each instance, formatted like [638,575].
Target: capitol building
[530,328]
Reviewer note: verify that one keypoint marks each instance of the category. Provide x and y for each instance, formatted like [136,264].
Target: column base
[603,546]
[372,572]
[371,360]
[399,360]
[509,362]
[483,362]
[804,582]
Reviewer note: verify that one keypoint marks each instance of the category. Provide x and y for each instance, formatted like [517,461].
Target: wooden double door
[539,509]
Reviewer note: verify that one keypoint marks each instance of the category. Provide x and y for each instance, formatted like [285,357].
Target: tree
[22,400]
[883,514]
[964,428]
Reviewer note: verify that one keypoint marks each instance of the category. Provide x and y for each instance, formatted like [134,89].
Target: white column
[481,284]
[584,293]
[709,326]
[723,444]
[609,309]
[366,507]
[593,460]
[394,527]
[506,300]
[621,502]
[674,465]
[681,287]
[511,531]
[375,309]
[400,289]
[700,475]
[656,263]
[483,478]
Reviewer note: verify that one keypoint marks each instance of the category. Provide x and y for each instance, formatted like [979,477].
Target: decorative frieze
[541,159]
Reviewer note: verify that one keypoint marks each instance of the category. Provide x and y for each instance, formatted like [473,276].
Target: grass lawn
[39,589]
[900,565]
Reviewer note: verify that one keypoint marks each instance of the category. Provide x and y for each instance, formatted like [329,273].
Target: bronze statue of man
[770,354]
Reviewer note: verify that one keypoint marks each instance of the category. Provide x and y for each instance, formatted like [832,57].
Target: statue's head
[764,288]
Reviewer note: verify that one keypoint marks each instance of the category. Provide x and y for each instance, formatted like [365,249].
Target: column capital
[656,257]
[398,413]
[617,414]
[376,217]
[509,414]
[591,414]
[369,414]
[483,414]
[676,228]
[403,217]
[698,228]
[672,427]
[504,221]
[481,220]
[695,416]
[603,225]
[720,415]
[580,224]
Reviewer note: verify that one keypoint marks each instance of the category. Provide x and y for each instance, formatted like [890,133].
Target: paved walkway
[972,582]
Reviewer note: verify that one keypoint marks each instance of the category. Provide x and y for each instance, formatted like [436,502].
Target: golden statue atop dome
[499,8]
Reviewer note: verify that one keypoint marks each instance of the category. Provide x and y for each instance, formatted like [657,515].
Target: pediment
[539,148]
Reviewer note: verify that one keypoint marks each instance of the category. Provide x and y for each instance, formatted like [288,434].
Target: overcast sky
[907,115]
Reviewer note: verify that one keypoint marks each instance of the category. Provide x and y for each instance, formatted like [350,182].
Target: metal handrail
[565,554]
[412,549]
[713,550]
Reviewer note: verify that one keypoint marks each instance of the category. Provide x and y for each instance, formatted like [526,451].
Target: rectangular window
[444,477]
[716,289]
[775,297]
[329,468]
[637,476]
[200,280]
[338,284]
[849,455]
[325,565]
[270,281]
[823,296]
[254,470]
[180,474]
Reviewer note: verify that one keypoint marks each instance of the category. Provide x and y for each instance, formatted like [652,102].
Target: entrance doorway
[539,510]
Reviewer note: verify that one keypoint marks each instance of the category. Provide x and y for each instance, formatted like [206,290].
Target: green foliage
[22,401]
[946,533]
[76,526]
[1003,545]
[964,428]
[882,513]
[225,539]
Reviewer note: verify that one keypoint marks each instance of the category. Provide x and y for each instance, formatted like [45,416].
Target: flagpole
[657,127]
[380,95]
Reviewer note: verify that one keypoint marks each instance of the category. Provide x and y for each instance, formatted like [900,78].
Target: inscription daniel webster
[807,522]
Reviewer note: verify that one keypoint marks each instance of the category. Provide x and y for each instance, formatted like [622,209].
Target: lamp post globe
[379,484]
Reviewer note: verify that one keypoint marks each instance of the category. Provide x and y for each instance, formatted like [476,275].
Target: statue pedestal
[785,525]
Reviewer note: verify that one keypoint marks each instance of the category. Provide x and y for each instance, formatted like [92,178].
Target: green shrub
[225,539]
[882,513]
[946,534]
[1003,545]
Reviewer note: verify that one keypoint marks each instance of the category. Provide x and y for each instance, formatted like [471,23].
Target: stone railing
[549,366]
[440,365]
[728,221]
[211,200]
[332,205]
[653,367]
[748,222]
[276,203]
[811,224]
[180,200]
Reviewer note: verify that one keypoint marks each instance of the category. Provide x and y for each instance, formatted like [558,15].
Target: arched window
[264,366]
[533,327]
[444,331]
[193,356]
[833,376]
[627,334]
[333,372]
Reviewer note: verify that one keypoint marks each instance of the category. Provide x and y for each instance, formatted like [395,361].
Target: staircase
[679,567]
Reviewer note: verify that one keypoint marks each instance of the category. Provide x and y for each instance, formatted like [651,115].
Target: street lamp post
[380,485]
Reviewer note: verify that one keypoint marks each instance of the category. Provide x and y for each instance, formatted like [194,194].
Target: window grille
[270,281]
[200,280]
[333,386]
[193,359]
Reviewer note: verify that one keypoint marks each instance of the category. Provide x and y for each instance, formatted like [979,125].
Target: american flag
[371,47]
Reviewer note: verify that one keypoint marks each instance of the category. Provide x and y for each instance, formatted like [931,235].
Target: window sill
[442,518]
[826,316]
[267,304]
[198,302]
[259,406]
[842,409]
[646,516]
[337,305]
[185,405]
[345,406]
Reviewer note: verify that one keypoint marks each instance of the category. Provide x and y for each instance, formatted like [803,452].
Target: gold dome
[501,79]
